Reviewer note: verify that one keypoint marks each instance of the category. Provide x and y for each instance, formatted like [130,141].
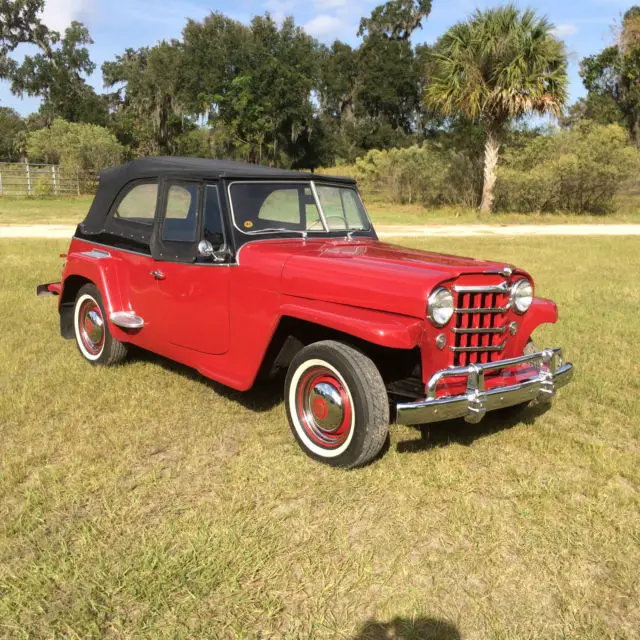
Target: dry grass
[44,210]
[73,210]
[144,501]
[387,213]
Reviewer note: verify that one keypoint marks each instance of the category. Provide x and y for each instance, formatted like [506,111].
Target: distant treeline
[269,93]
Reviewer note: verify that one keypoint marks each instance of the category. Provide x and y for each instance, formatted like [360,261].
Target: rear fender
[98,268]
[377,327]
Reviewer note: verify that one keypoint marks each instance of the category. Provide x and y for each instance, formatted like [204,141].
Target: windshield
[267,207]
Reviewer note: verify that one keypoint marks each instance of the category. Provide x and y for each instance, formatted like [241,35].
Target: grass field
[73,210]
[145,501]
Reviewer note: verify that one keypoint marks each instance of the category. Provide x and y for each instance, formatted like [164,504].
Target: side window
[181,218]
[213,226]
[139,205]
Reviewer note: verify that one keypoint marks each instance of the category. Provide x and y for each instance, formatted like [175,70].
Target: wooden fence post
[28,179]
[55,182]
[78,180]
[1,191]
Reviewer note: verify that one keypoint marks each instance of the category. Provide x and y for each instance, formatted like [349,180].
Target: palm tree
[500,65]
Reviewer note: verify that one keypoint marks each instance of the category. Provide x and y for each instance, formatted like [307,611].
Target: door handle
[158,275]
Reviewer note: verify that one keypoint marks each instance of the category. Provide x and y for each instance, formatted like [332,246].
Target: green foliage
[502,64]
[75,146]
[148,114]
[396,19]
[58,77]
[256,88]
[612,77]
[20,24]
[579,171]
[370,96]
[12,132]
[430,175]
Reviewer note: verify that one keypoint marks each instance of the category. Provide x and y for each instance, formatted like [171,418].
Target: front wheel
[337,404]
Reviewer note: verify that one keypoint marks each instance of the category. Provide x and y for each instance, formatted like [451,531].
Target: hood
[367,274]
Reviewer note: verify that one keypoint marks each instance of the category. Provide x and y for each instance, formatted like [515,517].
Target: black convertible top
[113,180]
[204,168]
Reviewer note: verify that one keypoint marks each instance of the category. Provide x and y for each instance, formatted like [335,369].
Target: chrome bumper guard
[474,404]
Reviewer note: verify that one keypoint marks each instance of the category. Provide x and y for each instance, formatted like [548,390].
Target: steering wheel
[319,221]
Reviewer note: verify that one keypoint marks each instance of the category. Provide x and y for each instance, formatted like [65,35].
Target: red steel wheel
[93,337]
[324,407]
[337,404]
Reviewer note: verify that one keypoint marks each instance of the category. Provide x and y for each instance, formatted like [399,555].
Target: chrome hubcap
[326,407]
[91,327]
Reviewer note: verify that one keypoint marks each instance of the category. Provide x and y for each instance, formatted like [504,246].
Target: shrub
[424,175]
[579,170]
[75,147]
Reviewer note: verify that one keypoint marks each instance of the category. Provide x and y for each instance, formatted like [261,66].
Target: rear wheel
[91,329]
[337,404]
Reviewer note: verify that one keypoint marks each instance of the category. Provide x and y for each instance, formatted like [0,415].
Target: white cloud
[565,30]
[58,14]
[324,25]
[331,4]
[280,9]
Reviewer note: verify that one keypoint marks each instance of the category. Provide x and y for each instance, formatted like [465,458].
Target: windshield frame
[302,233]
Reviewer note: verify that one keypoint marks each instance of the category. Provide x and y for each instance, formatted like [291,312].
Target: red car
[242,272]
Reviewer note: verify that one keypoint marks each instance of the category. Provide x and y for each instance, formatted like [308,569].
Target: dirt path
[397,231]
[429,231]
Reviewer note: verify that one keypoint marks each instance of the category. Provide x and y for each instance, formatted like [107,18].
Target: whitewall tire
[337,404]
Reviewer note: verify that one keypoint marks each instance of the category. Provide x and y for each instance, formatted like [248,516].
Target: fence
[25,179]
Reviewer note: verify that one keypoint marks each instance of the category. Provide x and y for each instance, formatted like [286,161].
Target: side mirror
[206,250]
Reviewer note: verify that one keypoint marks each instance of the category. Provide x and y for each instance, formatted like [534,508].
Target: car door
[131,221]
[193,288]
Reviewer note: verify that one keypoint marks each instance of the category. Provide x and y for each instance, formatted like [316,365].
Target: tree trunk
[635,131]
[491,155]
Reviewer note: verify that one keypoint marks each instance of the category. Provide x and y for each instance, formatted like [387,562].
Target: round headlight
[440,307]
[522,295]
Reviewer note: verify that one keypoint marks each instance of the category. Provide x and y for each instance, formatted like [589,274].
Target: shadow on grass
[405,629]
[264,396]
[461,432]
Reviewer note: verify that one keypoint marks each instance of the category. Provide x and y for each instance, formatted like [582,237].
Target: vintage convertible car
[241,272]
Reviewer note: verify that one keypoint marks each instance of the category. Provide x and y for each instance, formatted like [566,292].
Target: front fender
[378,327]
[542,311]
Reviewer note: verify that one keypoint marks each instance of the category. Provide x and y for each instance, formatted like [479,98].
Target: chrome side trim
[499,347]
[485,310]
[476,401]
[99,254]
[146,255]
[496,288]
[481,331]
[127,320]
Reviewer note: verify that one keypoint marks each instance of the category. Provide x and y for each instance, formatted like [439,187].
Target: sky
[584,25]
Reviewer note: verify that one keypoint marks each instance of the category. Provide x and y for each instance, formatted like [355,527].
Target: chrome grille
[480,323]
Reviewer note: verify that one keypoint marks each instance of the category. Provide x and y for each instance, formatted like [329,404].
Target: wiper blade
[277,230]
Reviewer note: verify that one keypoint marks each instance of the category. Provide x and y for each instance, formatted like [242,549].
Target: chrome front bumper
[476,401]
